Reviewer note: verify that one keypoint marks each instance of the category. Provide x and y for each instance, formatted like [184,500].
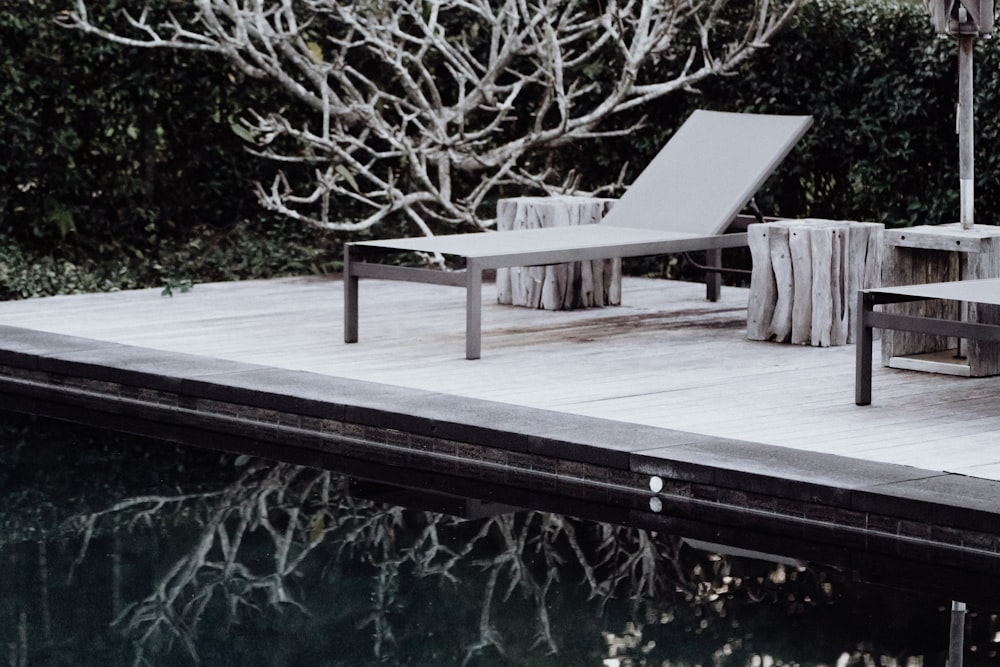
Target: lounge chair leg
[713,279]
[350,300]
[473,309]
[863,351]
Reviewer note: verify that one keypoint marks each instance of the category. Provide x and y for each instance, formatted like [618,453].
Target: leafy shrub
[882,89]
[109,150]
[23,276]
[247,249]
[121,167]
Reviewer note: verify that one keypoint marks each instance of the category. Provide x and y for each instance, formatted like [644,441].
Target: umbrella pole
[965,148]
[965,133]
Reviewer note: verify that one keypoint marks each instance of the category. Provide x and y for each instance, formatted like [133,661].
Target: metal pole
[956,639]
[965,133]
[965,151]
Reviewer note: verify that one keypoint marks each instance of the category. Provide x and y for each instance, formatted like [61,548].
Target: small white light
[655,504]
[655,484]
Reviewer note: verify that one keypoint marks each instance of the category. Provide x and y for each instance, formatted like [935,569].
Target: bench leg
[713,279]
[473,309]
[863,351]
[350,299]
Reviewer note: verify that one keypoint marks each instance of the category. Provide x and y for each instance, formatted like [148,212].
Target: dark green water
[120,550]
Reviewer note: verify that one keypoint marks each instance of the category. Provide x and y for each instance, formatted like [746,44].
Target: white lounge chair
[683,201]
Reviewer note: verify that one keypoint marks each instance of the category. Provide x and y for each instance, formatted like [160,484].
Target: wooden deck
[665,358]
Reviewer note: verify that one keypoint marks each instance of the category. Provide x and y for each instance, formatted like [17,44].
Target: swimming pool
[125,550]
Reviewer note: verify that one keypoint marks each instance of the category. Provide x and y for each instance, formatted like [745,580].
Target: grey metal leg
[863,351]
[713,279]
[350,299]
[473,309]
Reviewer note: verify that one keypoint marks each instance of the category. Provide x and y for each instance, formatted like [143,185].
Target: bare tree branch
[421,104]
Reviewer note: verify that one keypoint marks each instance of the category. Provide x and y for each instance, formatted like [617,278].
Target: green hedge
[109,149]
[882,88]
[121,168]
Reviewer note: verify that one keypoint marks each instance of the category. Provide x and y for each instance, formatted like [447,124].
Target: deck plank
[666,358]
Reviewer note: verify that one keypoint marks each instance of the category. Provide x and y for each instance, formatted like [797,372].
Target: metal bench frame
[985,291]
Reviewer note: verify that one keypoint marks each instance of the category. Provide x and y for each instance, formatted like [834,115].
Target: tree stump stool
[806,274]
[567,286]
[937,253]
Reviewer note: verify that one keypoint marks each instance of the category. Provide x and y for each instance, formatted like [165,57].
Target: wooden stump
[936,253]
[567,286]
[805,276]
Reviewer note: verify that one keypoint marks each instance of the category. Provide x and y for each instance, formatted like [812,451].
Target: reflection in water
[120,551]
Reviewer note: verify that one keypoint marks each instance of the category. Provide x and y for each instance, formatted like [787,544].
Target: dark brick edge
[897,511]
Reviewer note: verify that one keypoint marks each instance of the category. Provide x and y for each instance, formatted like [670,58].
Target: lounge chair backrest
[708,171]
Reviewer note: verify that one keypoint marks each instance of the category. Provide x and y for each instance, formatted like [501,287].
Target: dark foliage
[121,167]
[882,89]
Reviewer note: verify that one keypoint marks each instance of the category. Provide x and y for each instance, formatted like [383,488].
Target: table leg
[350,299]
[473,309]
[863,351]
[713,279]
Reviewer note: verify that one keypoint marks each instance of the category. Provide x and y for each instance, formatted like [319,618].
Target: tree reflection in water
[299,510]
[295,560]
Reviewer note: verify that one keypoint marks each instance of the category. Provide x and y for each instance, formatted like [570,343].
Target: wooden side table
[805,276]
[567,286]
[937,253]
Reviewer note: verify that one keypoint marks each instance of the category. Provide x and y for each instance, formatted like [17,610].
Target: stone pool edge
[896,511]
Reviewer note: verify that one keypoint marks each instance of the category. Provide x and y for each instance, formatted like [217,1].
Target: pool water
[123,550]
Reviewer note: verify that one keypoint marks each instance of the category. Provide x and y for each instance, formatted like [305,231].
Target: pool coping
[893,510]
